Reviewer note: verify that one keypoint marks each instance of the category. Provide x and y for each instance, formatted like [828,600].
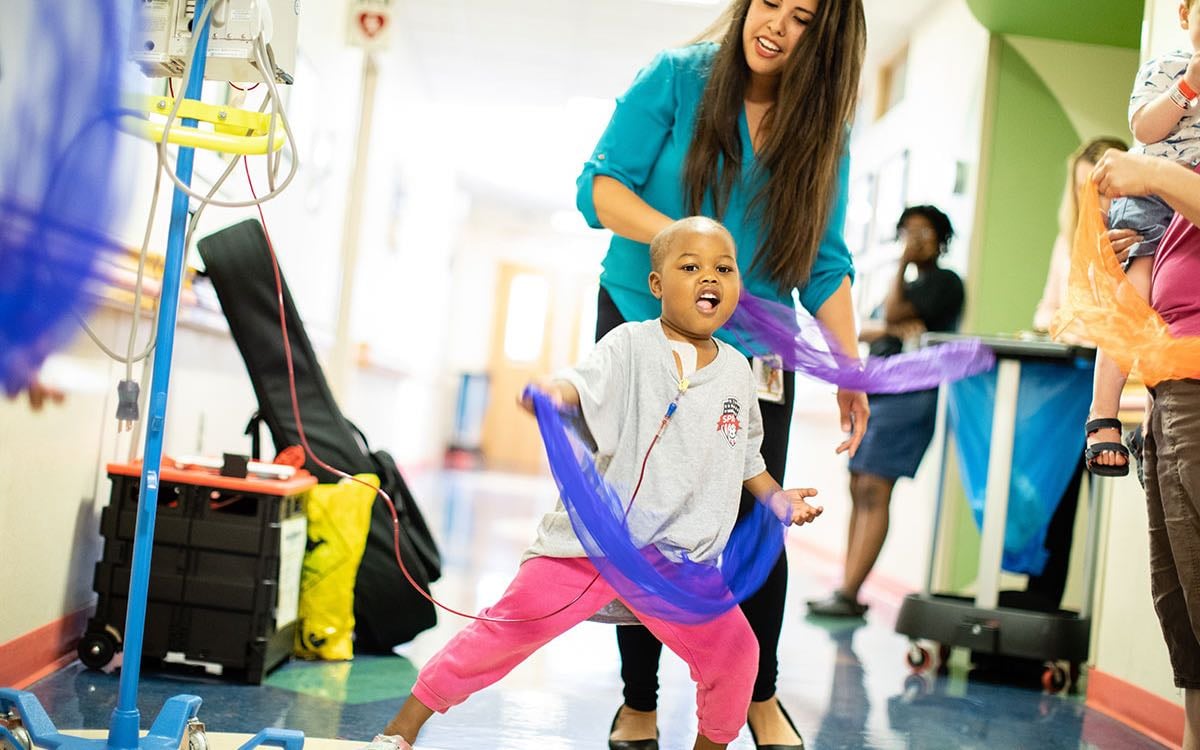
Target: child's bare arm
[762,486]
[1156,119]
[789,505]
[561,392]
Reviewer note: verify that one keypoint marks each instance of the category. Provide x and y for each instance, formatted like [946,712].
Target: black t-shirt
[937,296]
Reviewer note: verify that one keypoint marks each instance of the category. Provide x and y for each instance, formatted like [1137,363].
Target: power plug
[127,405]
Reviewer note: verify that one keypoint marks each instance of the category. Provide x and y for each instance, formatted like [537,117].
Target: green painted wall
[1091,82]
[1116,23]
[1030,140]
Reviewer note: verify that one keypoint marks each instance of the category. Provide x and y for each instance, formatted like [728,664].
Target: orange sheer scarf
[1103,306]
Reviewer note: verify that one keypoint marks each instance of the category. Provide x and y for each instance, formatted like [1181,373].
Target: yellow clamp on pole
[235,131]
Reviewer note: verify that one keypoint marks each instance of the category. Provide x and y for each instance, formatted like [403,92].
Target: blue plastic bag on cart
[1052,406]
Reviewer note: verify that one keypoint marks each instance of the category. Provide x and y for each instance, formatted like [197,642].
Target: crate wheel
[97,649]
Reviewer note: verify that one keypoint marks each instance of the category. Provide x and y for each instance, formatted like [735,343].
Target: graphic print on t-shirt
[728,423]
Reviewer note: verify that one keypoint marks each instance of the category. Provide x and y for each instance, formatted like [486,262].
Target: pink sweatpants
[722,653]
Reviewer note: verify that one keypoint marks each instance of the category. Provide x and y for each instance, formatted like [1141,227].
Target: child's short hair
[662,243]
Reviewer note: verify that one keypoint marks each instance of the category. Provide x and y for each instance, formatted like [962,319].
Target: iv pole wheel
[194,736]
[12,723]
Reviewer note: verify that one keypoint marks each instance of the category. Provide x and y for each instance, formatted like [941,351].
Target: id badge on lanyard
[768,376]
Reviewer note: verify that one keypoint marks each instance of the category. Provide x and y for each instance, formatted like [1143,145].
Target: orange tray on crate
[170,472]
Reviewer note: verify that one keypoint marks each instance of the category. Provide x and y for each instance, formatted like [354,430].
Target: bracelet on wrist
[1179,99]
[1188,92]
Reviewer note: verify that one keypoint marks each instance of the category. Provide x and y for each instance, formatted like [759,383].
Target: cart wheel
[24,741]
[97,649]
[1075,669]
[1054,678]
[918,657]
[194,738]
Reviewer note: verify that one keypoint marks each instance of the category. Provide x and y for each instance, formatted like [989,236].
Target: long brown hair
[1090,152]
[805,134]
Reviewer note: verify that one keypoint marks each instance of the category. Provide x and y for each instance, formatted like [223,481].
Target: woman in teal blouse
[751,131]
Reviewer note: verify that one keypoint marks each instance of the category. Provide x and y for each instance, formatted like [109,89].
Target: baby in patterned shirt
[1165,123]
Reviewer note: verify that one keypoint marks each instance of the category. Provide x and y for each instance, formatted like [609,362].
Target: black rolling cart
[225,572]
[980,623]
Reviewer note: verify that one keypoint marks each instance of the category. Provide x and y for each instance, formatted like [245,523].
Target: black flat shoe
[647,744]
[786,718]
[837,604]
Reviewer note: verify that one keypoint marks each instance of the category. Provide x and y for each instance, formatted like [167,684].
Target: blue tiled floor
[845,686]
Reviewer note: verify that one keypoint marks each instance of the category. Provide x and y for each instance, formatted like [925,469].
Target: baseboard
[30,657]
[1151,714]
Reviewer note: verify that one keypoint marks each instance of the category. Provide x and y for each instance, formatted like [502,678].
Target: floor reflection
[846,685]
[845,721]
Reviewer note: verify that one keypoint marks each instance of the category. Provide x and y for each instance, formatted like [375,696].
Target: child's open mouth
[708,302]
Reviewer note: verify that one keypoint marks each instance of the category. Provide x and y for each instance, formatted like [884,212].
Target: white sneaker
[388,742]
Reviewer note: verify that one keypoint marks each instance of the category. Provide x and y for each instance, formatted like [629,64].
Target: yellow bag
[339,516]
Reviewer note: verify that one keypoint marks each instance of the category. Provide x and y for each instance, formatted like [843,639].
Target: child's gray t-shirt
[688,501]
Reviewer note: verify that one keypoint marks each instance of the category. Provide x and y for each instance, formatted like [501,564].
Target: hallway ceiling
[545,51]
[521,89]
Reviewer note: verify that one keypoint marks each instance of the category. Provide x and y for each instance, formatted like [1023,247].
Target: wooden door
[520,351]
[543,320]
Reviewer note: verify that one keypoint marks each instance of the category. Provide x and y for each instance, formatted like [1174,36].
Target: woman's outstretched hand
[854,414]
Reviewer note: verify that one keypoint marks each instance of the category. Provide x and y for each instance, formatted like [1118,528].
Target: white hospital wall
[939,124]
[51,478]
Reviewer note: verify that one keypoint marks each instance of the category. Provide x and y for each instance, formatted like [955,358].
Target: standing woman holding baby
[750,130]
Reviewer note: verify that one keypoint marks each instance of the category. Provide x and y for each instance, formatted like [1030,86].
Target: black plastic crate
[215,574]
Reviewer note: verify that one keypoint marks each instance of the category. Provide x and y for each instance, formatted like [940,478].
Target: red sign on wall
[370,23]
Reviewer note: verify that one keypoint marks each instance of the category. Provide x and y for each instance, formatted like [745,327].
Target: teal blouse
[644,147]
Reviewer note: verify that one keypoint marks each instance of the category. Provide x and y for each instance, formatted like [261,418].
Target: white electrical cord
[262,57]
[129,359]
[277,111]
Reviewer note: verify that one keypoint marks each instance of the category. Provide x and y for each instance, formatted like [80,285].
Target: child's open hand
[39,394]
[561,393]
[541,385]
[792,508]
[1122,241]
